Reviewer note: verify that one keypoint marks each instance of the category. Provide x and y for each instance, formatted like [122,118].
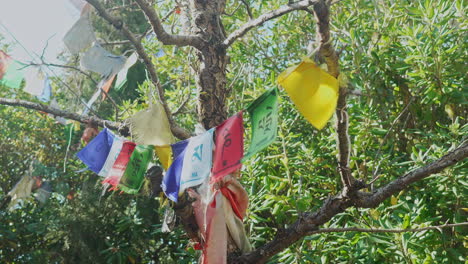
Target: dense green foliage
[406,58]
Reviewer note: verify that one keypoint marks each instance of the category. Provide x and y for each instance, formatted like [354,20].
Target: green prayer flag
[264,121]
[134,174]
[13,76]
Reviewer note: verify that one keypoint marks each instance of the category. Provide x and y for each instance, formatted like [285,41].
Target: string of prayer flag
[313,91]
[229,147]
[264,121]
[134,174]
[94,154]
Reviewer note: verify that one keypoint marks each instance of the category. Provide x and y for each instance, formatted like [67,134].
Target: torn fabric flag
[120,164]
[134,174]
[47,90]
[105,86]
[94,154]
[122,75]
[313,91]
[264,121]
[197,160]
[99,60]
[80,36]
[151,126]
[229,147]
[11,71]
[34,80]
[112,156]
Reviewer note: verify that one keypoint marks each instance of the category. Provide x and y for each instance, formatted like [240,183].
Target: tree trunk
[211,69]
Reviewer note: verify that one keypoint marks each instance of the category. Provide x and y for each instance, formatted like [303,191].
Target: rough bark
[211,69]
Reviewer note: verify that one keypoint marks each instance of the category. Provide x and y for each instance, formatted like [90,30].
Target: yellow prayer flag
[313,91]
[165,155]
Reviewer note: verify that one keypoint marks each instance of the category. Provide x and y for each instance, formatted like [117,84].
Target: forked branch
[120,25]
[162,35]
[264,18]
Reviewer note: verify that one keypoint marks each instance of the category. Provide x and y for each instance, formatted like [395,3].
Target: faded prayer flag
[229,147]
[197,160]
[105,86]
[94,155]
[120,164]
[11,71]
[136,168]
[99,60]
[80,36]
[171,180]
[313,91]
[112,156]
[122,76]
[264,120]
[34,80]
[151,126]
[47,90]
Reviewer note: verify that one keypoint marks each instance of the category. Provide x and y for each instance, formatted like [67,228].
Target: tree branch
[119,25]
[370,200]
[162,35]
[58,112]
[308,223]
[367,230]
[326,50]
[264,18]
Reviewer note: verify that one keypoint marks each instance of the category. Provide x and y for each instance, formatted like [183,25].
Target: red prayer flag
[229,147]
[106,86]
[118,169]
[4,61]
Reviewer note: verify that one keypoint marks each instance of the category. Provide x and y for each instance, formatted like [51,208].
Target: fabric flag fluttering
[134,174]
[105,86]
[122,76]
[112,156]
[120,164]
[171,180]
[264,120]
[94,155]
[47,91]
[11,73]
[151,126]
[34,79]
[229,147]
[197,160]
[313,91]
[80,36]
[164,154]
[99,60]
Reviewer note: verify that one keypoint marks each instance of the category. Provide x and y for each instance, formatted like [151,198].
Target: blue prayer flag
[94,155]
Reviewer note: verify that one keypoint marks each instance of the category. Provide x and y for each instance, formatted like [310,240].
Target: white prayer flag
[80,36]
[197,160]
[34,81]
[122,76]
[99,60]
[112,157]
